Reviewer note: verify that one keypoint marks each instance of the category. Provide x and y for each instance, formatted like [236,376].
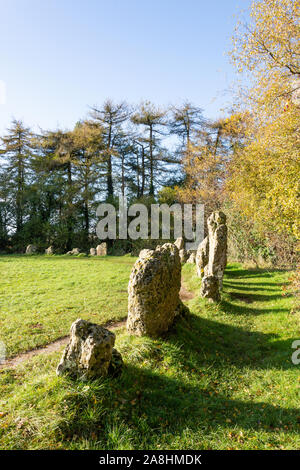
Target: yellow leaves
[264,175]
[269,48]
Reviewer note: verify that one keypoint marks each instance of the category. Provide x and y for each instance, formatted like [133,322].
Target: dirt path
[57,344]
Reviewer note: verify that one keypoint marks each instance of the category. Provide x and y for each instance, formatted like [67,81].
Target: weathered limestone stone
[192,257]
[202,256]
[31,249]
[89,351]
[210,288]
[213,272]
[144,253]
[75,251]
[217,231]
[102,249]
[179,243]
[49,251]
[183,255]
[93,252]
[153,291]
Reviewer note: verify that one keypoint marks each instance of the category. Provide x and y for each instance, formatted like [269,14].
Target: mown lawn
[40,296]
[222,378]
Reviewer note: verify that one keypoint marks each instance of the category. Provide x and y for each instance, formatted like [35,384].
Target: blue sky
[60,56]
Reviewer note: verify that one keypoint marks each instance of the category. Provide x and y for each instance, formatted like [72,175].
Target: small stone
[93,251]
[49,251]
[102,249]
[192,258]
[89,351]
[31,249]
[144,253]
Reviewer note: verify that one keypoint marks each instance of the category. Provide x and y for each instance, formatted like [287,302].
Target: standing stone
[210,288]
[93,252]
[202,256]
[101,249]
[214,271]
[192,258]
[144,253]
[89,351]
[183,256]
[217,231]
[179,243]
[31,249]
[49,251]
[153,291]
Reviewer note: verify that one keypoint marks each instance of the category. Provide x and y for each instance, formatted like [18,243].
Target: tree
[185,120]
[268,49]
[206,160]
[110,117]
[264,175]
[16,152]
[153,119]
[88,150]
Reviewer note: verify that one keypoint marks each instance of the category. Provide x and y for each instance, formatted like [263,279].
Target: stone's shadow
[152,404]
[219,342]
[250,273]
[253,286]
[228,307]
[254,297]
[186,406]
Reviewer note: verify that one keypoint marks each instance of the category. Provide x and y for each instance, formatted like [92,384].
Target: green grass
[40,296]
[222,378]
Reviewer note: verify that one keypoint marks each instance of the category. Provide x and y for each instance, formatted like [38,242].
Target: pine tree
[15,154]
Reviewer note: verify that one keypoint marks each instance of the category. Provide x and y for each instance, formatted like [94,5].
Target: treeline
[52,182]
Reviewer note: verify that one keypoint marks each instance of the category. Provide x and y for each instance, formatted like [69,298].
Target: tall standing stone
[153,291]
[217,230]
[213,273]
[101,249]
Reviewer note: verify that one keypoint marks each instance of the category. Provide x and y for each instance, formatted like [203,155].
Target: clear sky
[58,57]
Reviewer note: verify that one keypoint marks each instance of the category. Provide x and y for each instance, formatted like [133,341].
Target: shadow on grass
[232,272]
[253,286]
[204,356]
[147,406]
[214,343]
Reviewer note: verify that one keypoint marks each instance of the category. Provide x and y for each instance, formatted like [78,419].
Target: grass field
[40,296]
[222,378]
